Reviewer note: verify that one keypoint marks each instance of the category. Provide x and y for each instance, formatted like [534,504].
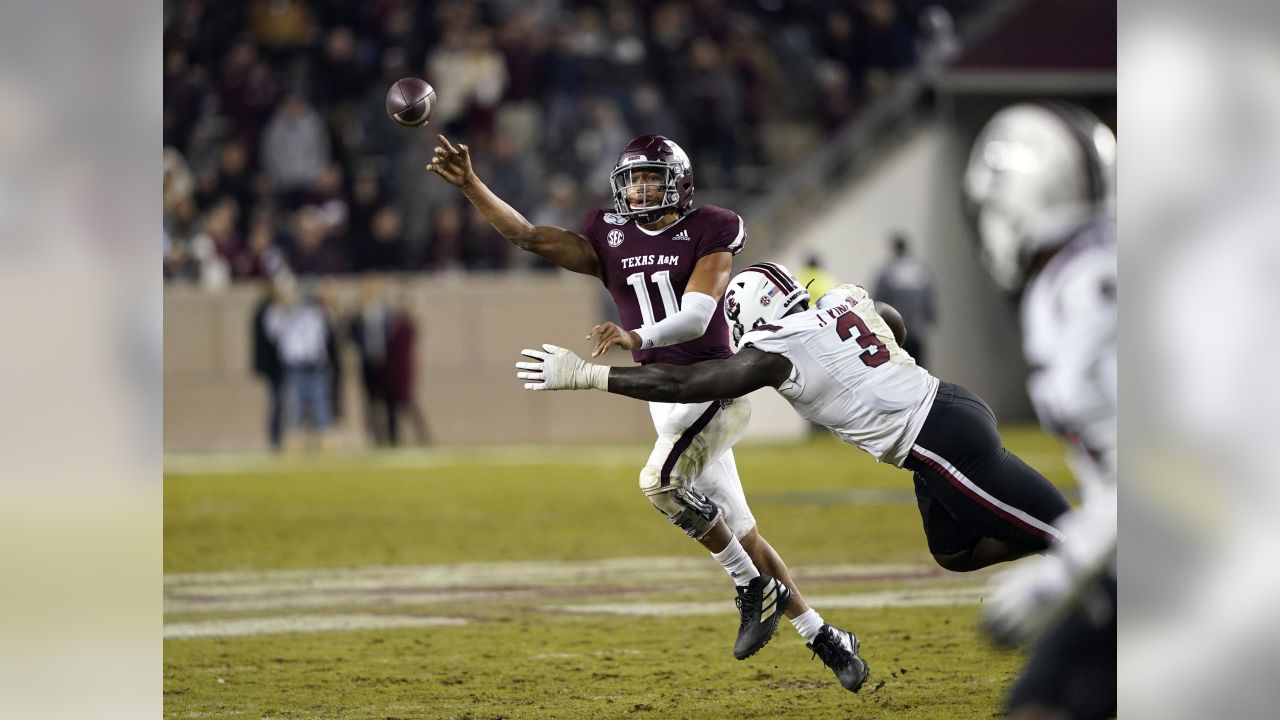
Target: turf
[821,504]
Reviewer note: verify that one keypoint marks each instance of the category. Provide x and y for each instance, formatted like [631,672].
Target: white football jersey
[1069,339]
[849,374]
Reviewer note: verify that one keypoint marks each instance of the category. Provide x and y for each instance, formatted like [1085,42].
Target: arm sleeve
[689,322]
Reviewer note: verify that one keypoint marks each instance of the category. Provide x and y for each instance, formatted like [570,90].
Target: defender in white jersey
[1039,182]
[840,365]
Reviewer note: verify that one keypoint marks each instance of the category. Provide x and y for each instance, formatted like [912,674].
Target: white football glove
[560,369]
[1025,599]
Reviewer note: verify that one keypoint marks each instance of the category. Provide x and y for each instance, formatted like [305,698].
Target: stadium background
[826,125]
[525,578]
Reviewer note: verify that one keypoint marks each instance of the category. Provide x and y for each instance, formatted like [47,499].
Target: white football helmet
[1036,172]
[760,294]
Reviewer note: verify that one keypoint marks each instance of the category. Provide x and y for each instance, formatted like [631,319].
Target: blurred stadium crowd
[279,154]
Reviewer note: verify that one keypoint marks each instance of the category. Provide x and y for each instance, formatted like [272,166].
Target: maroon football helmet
[653,153]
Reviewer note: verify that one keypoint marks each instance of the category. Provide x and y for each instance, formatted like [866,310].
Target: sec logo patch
[615,238]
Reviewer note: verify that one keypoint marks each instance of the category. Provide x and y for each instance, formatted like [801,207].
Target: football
[410,102]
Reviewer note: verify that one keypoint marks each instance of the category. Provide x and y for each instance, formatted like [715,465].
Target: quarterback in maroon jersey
[667,264]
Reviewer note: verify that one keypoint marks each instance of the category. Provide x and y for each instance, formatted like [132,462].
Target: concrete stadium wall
[916,190]
[470,332]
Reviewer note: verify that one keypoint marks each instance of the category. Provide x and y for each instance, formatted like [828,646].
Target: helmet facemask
[624,178]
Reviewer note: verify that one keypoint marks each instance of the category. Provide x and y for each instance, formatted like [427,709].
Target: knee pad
[686,508]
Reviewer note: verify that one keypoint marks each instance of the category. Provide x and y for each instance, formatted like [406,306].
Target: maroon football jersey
[646,273]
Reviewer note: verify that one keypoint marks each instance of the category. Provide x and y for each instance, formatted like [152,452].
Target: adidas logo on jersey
[682,235]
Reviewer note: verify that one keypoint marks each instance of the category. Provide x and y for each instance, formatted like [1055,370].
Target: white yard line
[242,627]
[543,585]
[858,601]
[414,584]
[539,572]
[404,459]
[274,590]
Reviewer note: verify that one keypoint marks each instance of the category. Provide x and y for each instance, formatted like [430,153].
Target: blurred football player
[666,265]
[1039,184]
[841,365]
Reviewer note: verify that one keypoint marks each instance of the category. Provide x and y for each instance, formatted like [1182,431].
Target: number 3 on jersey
[879,354]
[662,279]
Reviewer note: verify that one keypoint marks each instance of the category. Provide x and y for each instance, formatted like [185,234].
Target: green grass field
[538,583]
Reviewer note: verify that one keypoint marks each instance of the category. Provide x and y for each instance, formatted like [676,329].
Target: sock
[737,563]
[808,623]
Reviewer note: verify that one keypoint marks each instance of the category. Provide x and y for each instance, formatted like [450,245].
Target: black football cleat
[839,651]
[762,603]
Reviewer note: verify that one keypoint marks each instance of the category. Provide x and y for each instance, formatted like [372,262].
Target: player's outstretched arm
[565,248]
[733,377]
[555,368]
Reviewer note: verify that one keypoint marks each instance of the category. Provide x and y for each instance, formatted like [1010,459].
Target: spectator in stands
[281,24]
[386,252]
[263,258]
[228,179]
[889,38]
[332,345]
[599,136]
[182,90]
[907,285]
[180,227]
[266,356]
[369,329]
[627,58]
[845,80]
[815,278]
[301,331]
[562,209]
[313,253]
[366,200]
[400,372]
[749,58]
[671,31]
[263,99]
[511,174]
[448,235]
[418,200]
[295,146]
[470,76]
[339,78]
[710,100]
[384,140]
[483,247]
[217,244]
[652,114]
[329,197]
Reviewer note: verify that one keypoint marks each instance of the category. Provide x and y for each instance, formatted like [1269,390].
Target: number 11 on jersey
[662,279]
